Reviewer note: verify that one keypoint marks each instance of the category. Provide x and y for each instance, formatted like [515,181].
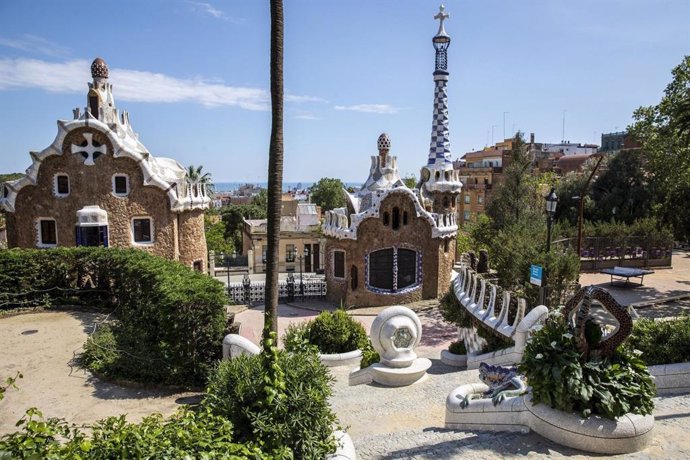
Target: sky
[194,75]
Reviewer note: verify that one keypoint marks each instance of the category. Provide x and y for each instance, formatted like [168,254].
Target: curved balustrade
[470,290]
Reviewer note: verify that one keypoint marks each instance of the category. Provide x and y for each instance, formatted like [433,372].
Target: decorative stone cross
[90,152]
[441,16]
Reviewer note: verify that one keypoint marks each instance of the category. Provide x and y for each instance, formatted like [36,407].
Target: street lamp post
[551,201]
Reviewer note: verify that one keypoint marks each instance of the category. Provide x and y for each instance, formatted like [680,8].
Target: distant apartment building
[570,148]
[478,172]
[301,243]
[615,142]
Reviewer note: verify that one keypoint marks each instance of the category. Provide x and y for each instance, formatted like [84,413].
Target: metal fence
[249,292]
[600,252]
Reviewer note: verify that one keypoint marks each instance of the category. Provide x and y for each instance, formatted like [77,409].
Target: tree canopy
[328,193]
[410,181]
[663,130]
[516,197]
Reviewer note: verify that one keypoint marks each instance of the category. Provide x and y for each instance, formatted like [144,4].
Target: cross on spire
[441,16]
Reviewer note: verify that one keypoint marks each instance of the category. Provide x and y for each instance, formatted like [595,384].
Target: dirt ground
[42,346]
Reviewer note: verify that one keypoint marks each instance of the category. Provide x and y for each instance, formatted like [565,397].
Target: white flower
[539,356]
[568,335]
[553,344]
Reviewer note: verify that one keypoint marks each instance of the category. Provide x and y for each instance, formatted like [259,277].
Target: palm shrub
[560,378]
[286,405]
[330,332]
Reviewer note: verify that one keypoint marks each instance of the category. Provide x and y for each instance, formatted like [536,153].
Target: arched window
[446,202]
[396,218]
[354,281]
[386,218]
[446,245]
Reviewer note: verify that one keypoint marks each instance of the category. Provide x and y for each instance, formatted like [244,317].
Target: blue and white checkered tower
[438,176]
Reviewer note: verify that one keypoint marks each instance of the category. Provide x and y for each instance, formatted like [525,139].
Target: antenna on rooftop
[563,132]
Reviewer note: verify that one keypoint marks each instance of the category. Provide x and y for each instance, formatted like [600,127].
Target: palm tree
[195,177]
[275,169]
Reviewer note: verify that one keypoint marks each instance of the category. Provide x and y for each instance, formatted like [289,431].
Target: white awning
[92,216]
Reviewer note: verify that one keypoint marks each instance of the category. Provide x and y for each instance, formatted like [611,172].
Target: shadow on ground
[495,444]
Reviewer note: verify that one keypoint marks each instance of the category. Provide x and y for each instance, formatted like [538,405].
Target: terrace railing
[602,252]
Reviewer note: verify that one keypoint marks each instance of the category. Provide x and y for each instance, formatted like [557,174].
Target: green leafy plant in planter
[562,379]
[330,332]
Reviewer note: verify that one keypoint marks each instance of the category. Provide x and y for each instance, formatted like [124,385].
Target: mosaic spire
[439,150]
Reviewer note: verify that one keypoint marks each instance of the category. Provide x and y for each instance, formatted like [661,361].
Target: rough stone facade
[90,151]
[373,235]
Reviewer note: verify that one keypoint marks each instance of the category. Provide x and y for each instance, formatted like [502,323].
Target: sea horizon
[287,186]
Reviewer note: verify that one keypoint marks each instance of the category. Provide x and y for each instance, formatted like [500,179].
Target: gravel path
[385,423]
[42,347]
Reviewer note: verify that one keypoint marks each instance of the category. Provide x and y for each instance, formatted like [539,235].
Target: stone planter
[629,433]
[451,359]
[671,378]
[351,358]
[345,450]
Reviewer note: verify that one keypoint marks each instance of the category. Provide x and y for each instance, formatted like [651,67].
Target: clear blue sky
[194,75]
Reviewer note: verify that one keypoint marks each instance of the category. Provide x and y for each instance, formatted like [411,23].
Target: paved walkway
[662,284]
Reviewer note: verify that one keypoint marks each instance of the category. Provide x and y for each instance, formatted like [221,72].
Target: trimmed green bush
[169,319]
[661,342]
[609,387]
[187,434]
[330,332]
[287,406]
[369,356]
[457,348]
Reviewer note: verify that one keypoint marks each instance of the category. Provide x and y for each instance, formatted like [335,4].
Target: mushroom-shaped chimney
[383,144]
[99,69]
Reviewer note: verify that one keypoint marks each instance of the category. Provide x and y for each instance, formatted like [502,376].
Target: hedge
[169,323]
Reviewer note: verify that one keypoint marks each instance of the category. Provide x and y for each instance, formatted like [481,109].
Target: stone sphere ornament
[394,334]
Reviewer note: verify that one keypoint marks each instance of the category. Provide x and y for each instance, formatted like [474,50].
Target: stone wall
[192,239]
[374,235]
[93,185]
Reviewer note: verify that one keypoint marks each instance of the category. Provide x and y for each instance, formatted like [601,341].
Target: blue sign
[535,274]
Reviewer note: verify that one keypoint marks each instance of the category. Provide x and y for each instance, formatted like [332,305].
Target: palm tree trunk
[275,169]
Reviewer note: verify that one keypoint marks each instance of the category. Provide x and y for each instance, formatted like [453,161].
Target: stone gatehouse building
[97,185]
[392,244]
